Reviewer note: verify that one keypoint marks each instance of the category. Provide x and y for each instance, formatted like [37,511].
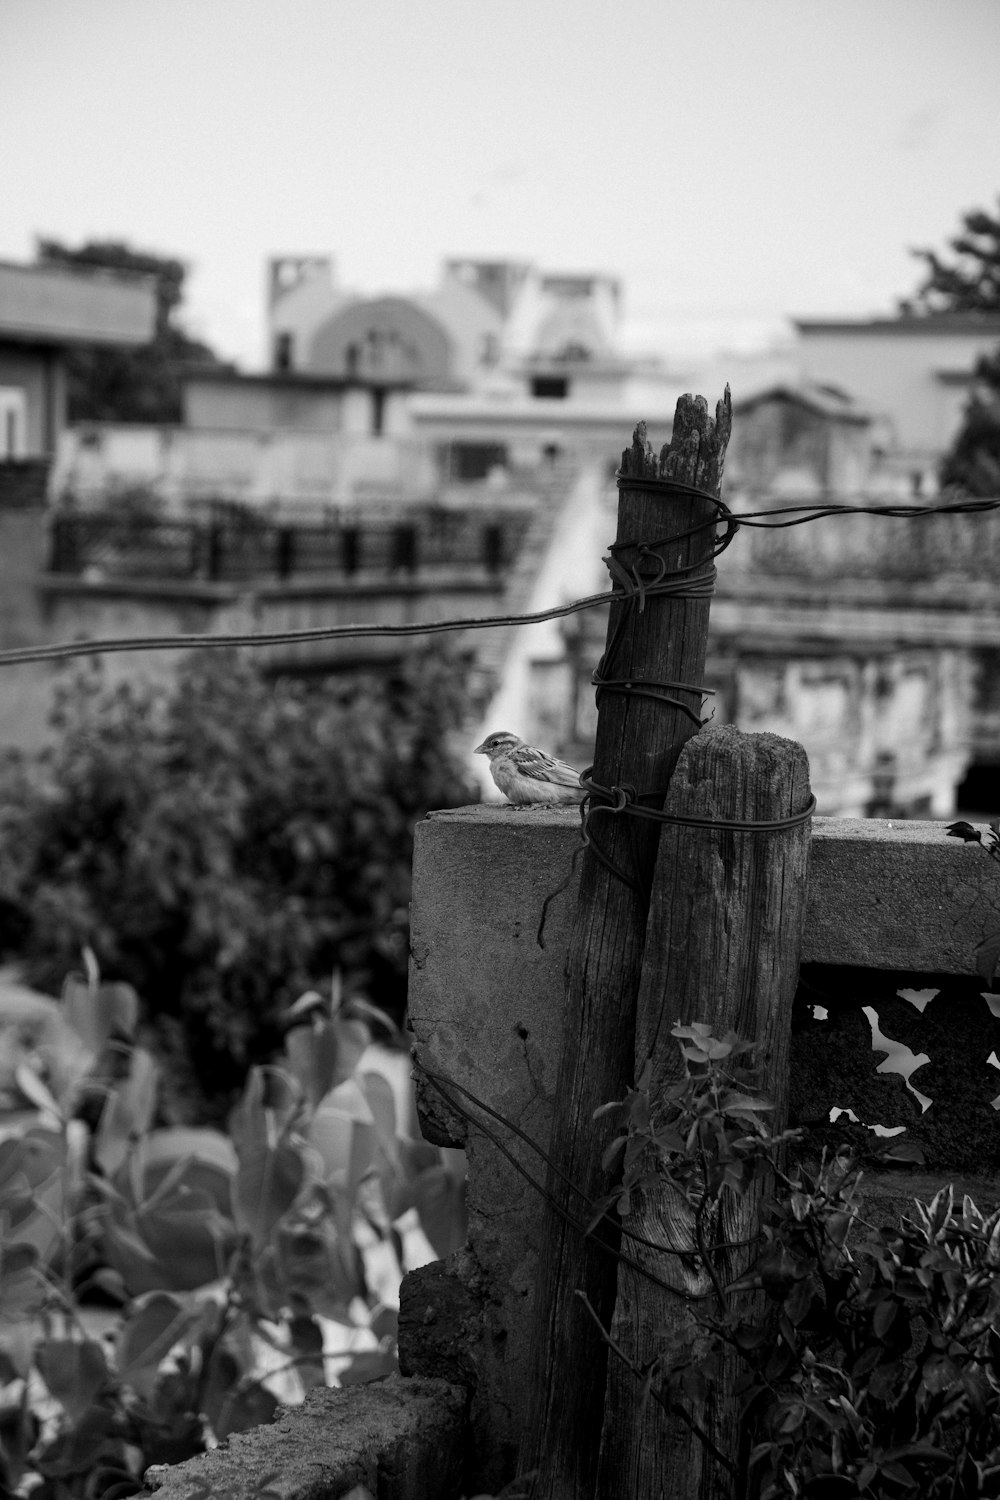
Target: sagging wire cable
[733,520]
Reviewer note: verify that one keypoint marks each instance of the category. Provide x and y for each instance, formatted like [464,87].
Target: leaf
[899,1149]
[74,1373]
[97,1012]
[440,1203]
[612,1152]
[883,1317]
[230,1406]
[798,1301]
[266,1185]
[370,1364]
[154,1325]
[313,1054]
[306,1340]
[381,1102]
[792,1419]
[35,1091]
[965,831]
[180,1233]
[270,1101]
[127,1113]
[189,1143]
[22,1286]
[306,1005]
[343,1131]
[899,1474]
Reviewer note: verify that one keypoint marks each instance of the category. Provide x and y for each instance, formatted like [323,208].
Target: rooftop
[916,323]
[824,400]
[56,306]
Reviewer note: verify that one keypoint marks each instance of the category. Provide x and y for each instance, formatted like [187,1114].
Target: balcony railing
[884,548]
[122,548]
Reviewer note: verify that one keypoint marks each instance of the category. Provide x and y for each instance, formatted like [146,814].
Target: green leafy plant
[223,844]
[870,1364]
[988,951]
[238,1260]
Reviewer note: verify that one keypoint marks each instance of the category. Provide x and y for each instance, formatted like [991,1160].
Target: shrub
[237,1259]
[869,1364]
[225,843]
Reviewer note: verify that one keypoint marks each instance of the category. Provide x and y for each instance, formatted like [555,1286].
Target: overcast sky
[733,162]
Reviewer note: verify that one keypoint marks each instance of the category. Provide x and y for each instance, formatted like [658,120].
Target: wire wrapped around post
[662,565]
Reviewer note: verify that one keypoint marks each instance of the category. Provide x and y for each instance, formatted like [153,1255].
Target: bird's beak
[480,750]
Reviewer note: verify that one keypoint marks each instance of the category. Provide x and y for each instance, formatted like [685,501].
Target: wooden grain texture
[638,742]
[723,941]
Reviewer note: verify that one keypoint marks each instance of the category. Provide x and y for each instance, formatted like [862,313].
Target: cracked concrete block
[485,1007]
[401,1439]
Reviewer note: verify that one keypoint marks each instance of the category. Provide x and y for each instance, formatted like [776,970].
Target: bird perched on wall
[526,775]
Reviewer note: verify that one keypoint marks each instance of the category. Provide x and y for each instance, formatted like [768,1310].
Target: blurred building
[503,398]
[803,439]
[914,373]
[384,399]
[44,312]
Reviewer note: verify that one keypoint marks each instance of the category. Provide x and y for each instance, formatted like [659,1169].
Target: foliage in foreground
[236,1259]
[870,1365]
[225,843]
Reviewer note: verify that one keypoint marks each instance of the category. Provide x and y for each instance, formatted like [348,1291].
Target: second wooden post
[722,947]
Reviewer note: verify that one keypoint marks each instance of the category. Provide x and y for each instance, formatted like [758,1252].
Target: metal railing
[887,549]
[120,547]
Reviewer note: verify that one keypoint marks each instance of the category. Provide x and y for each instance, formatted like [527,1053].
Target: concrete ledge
[882,894]
[401,1439]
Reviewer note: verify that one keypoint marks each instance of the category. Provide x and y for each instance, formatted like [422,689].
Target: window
[550,387]
[283,350]
[476,460]
[13,415]
[378,411]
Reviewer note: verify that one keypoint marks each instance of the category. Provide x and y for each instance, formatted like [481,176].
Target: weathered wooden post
[722,947]
[649,704]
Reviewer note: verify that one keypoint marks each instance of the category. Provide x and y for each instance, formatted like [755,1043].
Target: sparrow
[526,775]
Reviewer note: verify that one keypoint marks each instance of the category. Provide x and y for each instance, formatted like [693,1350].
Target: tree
[130,385]
[971,281]
[224,844]
[972,463]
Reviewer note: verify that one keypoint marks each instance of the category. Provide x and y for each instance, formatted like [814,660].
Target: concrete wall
[38,373]
[259,406]
[263,468]
[487,1011]
[886,729]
